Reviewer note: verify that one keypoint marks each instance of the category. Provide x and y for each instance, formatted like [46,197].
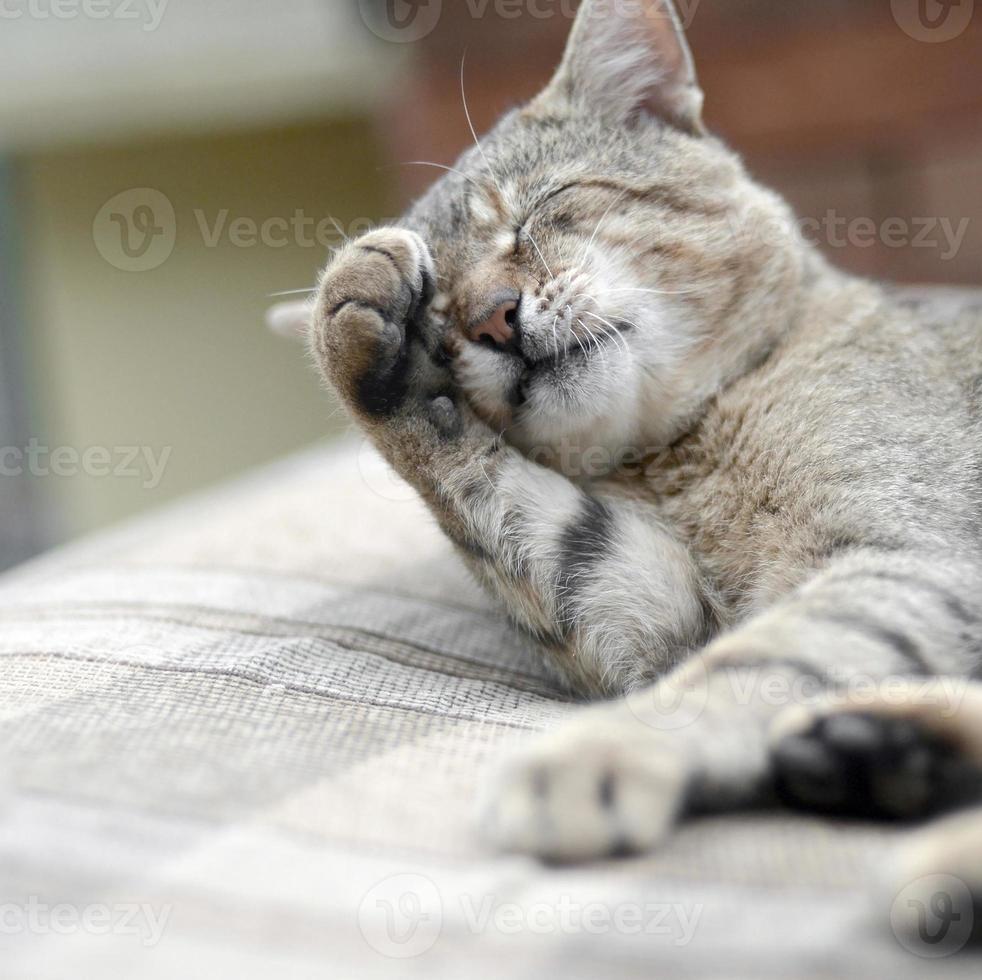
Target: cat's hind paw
[860,764]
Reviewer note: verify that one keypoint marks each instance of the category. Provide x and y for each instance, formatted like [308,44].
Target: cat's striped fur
[763,494]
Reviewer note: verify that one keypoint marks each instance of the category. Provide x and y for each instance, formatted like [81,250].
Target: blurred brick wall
[872,130]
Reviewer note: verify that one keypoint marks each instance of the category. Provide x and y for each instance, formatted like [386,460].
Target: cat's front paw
[596,788]
[374,335]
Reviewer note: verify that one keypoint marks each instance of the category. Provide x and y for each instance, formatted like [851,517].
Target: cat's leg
[614,596]
[616,778]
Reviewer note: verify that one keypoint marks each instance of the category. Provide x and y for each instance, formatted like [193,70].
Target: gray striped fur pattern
[736,494]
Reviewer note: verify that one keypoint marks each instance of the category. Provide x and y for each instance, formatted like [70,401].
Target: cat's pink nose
[499,328]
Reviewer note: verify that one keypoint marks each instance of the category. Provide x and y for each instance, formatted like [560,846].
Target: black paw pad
[862,765]
[384,384]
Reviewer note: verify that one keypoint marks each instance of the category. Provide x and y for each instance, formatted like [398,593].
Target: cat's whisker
[597,343]
[657,292]
[535,245]
[618,337]
[588,297]
[340,230]
[593,237]
[611,325]
[592,277]
[337,411]
[620,319]
[477,142]
[486,477]
[294,292]
[610,330]
[562,255]
[612,335]
[439,166]
[586,329]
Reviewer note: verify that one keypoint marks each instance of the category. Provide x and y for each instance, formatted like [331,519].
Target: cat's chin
[593,449]
[567,397]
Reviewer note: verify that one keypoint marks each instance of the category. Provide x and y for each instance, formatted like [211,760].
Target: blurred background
[168,166]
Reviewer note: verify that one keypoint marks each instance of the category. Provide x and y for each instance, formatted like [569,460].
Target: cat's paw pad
[585,793]
[370,320]
[860,764]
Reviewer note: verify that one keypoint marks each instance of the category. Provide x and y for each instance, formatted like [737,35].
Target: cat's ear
[291,320]
[628,57]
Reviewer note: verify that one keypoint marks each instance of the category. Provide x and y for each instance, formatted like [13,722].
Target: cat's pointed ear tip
[691,105]
[624,58]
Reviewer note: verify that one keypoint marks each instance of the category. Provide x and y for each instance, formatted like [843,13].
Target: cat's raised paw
[372,332]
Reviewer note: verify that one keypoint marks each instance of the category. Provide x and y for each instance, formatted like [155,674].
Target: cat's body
[762,513]
[862,429]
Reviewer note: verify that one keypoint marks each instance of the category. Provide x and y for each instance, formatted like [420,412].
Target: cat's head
[604,263]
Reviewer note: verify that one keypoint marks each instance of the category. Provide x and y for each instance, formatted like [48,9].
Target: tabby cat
[736,494]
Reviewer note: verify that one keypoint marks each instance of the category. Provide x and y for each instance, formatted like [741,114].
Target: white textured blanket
[245,740]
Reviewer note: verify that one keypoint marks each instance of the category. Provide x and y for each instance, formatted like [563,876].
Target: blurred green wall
[179,356]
